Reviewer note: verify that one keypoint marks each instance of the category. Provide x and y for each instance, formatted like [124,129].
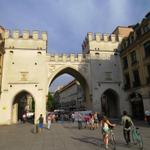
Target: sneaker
[106,147]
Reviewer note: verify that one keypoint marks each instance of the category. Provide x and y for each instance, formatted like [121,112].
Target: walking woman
[105,124]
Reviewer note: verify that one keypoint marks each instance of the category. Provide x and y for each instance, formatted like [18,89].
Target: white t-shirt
[147,113]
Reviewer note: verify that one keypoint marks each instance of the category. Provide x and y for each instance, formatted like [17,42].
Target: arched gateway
[23,102]
[110,103]
[27,69]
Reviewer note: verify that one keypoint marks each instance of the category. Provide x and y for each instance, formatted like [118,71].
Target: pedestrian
[92,126]
[96,122]
[99,116]
[88,117]
[24,117]
[53,118]
[49,121]
[62,118]
[147,116]
[127,123]
[106,125]
[73,117]
[79,116]
[40,125]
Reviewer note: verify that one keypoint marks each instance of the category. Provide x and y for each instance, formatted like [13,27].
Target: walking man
[127,123]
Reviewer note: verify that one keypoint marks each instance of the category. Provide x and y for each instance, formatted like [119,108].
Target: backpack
[127,123]
[41,120]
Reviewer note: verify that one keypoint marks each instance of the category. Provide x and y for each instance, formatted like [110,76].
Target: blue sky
[68,21]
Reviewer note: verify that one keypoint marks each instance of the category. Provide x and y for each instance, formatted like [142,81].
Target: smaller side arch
[137,107]
[110,103]
[22,103]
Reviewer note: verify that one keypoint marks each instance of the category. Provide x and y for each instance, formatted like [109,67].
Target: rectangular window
[147,49]
[125,63]
[136,77]
[127,81]
[133,57]
[148,70]
[146,28]
[131,39]
[138,32]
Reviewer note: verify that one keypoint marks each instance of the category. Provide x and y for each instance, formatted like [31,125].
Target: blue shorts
[40,125]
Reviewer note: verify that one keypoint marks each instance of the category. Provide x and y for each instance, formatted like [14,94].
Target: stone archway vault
[78,76]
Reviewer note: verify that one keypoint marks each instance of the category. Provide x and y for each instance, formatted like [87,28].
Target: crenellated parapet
[100,42]
[66,58]
[34,40]
[16,34]
[103,37]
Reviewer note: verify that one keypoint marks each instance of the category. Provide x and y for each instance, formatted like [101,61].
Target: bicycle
[112,139]
[137,138]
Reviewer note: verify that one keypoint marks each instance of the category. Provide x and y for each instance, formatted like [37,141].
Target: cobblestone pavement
[62,137]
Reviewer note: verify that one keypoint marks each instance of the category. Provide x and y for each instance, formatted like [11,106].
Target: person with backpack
[147,116]
[127,124]
[40,125]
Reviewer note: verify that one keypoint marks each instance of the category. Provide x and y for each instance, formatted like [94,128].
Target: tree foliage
[33,105]
[50,102]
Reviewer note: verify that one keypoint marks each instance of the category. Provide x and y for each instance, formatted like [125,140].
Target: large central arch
[78,76]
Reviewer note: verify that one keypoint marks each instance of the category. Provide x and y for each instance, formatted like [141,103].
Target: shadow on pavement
[90,140]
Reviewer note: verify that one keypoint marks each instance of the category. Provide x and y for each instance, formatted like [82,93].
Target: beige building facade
[135,57]
[2,30]
[71,96]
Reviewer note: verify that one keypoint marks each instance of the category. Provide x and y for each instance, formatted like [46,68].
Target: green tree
[33,105]
[50,102]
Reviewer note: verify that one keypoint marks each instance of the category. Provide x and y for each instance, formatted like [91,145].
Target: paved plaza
[62,137]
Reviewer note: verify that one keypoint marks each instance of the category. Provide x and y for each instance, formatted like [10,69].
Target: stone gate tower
[105,68]
[27,70]
[23,70]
